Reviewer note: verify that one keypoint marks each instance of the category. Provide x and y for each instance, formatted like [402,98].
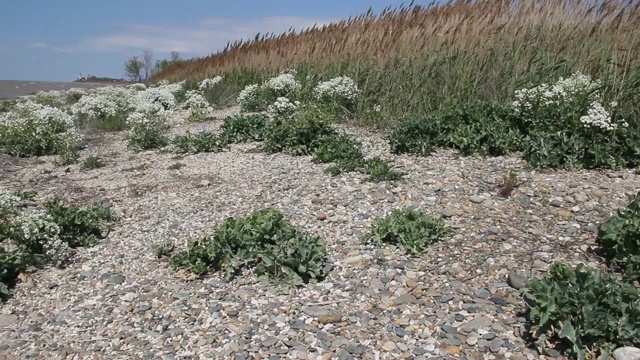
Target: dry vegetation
[418,59]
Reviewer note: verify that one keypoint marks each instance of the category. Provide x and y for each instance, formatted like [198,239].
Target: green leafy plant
[619,237]
[263,241]
[301,135]
[32,235]
[509,183]
[164,249]
[78,227]
[583,311]
[340,147]
[380,170]
[409,229]
[243,128]
[92,162]
[202,141]
[475,129]
[176,166]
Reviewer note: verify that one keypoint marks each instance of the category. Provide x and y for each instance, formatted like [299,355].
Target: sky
[59,40]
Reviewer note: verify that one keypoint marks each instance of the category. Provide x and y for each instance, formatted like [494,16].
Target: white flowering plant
[148,125]
[341,91]
[198,106]
[258,97]
[567,124]
[107,107]
[209,83]
[73,95]
[283,108]
[32,129]
[32,236]
[51,98]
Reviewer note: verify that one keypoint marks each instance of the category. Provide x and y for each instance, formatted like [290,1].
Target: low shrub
[148,126]
[202,141]
[263,241]
[409,229]
[32,235]
[32,129]
[619,237]
[581,311]
[243,128]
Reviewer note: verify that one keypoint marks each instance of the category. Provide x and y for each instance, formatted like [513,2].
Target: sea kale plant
[32,129]
[567,125]
[583,312]
[198,106]
[409,229]
[340,92]
[619,237]
[256,97]
[264,242]
[32,235]
[148,125]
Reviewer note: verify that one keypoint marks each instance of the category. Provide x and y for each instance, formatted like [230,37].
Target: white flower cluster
[283,107]
[566,90]
[209,83]
[341,87]
[8,202]
[598,116]
[162,95]
[33,226]
[103,103]
[199,107]
[42,125]
[285,83]
[76,92]
[555,94]
[51,98]
[248,94]
[38,226]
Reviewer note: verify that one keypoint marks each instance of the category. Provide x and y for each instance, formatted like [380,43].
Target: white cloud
[208,36]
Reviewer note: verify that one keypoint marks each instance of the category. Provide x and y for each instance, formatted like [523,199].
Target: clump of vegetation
[243,128]
[199,142]
[92,162]
[583,312]
[263,241]
[300,135]
[32,129]
[32,235]
[619,237]
[509,183]
[409,229]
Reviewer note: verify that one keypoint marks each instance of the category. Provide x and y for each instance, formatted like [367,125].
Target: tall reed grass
[418,59]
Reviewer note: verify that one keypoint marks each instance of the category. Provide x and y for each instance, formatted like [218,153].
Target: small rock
[354,260]
[315,311]
[205,183]
[495,345]
[7,320]
[321,216]
[116,279]
[483,293]
[555,203]
[329,319]
[626,353]
[389,345]
[476,199]
[472,340]
[478,323]
[516,280]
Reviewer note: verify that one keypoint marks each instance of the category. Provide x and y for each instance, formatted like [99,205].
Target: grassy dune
[420,59]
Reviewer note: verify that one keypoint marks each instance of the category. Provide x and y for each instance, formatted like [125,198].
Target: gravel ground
[459,300]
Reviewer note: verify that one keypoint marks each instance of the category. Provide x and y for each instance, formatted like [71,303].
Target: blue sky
[56,40]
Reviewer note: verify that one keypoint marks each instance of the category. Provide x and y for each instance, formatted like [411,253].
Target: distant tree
[175,56]
[147,55]
[133,68]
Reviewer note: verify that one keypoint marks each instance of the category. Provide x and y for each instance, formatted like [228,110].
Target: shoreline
[11,89]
